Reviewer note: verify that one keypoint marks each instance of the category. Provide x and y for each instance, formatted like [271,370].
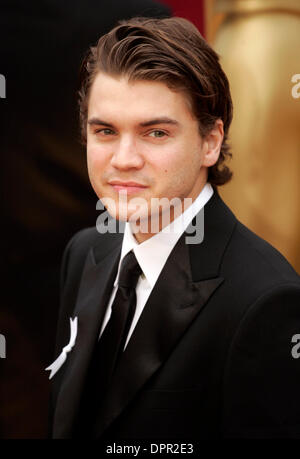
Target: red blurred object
[189,9]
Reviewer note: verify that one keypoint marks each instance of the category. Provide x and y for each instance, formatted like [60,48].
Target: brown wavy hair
[171,51]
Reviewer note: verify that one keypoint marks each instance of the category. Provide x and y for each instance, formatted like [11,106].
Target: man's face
[142,142]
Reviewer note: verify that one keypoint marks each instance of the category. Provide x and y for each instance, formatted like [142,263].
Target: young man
[172,335]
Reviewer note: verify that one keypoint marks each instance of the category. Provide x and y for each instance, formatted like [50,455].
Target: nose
[126,155]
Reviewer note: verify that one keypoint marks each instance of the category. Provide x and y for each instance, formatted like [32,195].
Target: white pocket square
[55,366]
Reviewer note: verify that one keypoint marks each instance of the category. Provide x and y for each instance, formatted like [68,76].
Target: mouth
[127,187]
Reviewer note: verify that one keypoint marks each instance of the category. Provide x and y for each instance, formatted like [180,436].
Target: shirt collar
[153,253]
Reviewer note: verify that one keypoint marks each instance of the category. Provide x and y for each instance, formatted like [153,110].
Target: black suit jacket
[211,355]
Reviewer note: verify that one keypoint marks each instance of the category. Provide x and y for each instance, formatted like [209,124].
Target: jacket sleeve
[262,375]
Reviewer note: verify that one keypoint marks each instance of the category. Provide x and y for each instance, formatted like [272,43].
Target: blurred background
[45,192]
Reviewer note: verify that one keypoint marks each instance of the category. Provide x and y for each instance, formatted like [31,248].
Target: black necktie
[110,345]
[113,338]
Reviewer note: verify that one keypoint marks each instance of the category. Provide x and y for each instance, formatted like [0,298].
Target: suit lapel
[187,281]
[94,292]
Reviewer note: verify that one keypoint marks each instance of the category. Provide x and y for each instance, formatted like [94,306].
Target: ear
[212,144]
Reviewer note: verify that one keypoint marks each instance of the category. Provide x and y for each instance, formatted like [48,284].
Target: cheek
[173,166]
[170,177]
[95,167]
[95,159]
[179,172]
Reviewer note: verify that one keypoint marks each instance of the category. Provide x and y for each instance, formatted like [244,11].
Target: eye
[104,131]
[158,133]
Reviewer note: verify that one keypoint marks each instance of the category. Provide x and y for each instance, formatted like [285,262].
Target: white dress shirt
[152,255]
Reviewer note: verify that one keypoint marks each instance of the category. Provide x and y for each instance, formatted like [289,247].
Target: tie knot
[130,271]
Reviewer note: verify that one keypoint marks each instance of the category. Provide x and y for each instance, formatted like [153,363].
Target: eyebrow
[97,122]
[163,120]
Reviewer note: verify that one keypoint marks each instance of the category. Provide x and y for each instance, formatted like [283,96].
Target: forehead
[119,97]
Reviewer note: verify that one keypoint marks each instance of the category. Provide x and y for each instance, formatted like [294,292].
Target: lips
[127,187]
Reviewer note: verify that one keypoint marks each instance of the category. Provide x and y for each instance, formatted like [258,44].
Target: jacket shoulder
[255,261]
